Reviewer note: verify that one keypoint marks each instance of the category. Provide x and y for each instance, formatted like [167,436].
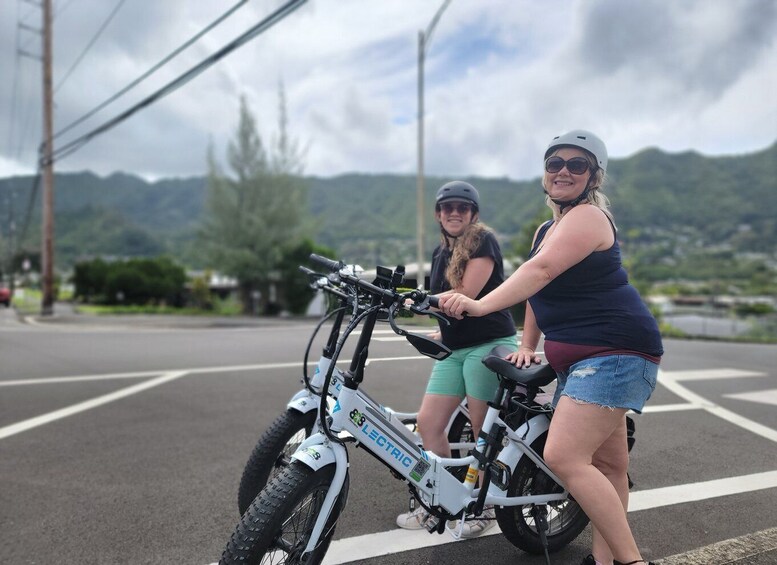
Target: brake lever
[423,307]
[439,317]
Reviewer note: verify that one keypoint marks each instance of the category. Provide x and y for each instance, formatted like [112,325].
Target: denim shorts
[614,381]
[463,372]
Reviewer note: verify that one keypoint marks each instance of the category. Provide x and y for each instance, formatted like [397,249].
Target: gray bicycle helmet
[584,140]
[458,191]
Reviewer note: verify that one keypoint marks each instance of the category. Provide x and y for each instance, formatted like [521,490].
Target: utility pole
[47,165]
[424,38]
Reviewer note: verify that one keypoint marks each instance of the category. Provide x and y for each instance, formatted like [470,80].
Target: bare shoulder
[590,222]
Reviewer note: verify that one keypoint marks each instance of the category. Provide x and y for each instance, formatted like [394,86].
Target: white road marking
[667,379]
[714,374]
[109,376]
[193,370]
[669,408]
[25,425]
[347,550]
[693,492]
[760,396]
[362,547]
[367,546]
[76,379]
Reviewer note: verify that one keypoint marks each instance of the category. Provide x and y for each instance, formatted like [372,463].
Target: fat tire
[566,518]
[292,498]
[272,453]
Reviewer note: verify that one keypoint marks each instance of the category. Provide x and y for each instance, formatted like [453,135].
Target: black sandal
[633,562]
[590,560]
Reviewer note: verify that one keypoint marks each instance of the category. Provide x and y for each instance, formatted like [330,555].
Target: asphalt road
[123,440]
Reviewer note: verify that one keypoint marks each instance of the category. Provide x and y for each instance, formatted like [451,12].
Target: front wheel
[565,517]
[272,453]
[277,526]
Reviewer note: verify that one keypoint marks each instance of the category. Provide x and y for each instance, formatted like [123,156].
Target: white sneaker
[473,527]
[418,519]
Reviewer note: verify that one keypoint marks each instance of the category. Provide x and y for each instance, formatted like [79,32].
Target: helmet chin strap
[563,204]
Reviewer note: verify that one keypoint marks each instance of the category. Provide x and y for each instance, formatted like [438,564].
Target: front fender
[303,402]
[315,455]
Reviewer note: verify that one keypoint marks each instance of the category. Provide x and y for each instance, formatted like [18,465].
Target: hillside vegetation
[670,208]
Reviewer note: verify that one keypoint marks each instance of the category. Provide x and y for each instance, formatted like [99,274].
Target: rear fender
[511,454]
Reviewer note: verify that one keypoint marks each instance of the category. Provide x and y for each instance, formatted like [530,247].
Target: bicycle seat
[534,376]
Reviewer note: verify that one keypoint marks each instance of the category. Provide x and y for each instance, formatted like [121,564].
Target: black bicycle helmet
[458,191]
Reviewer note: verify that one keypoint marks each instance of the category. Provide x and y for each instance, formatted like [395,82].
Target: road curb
[739,550]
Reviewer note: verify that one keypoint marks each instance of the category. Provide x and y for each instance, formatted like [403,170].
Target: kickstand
[540,514]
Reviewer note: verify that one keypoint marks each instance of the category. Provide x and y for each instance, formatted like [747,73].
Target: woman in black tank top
[599,337]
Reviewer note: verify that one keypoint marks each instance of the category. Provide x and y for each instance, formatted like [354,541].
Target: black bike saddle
[534,376]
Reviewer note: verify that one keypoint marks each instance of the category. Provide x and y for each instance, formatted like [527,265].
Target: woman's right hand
[458,305]
[523,358]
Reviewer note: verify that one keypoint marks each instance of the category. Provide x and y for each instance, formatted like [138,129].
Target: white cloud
[502,77]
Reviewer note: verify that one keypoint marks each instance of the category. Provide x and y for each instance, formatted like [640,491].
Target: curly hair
[462,249]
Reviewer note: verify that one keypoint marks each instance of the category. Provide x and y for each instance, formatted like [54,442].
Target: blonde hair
[596,183]
[462,249]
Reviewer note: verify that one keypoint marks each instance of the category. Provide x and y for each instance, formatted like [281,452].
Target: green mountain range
[666,205]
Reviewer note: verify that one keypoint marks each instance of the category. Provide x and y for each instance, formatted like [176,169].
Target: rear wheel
[277,526]
[565,517]
[272,453]
[461,432]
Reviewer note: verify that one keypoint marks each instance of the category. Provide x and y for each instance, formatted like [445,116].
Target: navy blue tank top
[592,303]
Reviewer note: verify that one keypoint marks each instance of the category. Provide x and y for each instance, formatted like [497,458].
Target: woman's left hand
[458,305]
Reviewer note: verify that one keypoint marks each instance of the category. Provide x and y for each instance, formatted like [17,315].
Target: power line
[152,69]
[89,46]
[21,111]
[262,26]
[14,84]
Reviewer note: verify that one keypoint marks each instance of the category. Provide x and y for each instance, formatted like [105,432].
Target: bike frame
[308,398]
[371,426]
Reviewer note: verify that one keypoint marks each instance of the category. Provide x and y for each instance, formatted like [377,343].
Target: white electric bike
[293,518]
[272,452]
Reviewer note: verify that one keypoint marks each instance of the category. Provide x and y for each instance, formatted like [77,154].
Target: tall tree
[256,213]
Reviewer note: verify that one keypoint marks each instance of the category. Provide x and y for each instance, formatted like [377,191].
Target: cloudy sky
[502,77]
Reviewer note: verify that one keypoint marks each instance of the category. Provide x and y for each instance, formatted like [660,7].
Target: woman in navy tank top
[600,338]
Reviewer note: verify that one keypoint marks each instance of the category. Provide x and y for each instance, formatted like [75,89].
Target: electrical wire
[177,83]
[152,69]
[89,46]
[14,84]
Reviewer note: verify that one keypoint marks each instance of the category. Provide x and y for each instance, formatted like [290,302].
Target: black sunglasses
[576,165]
[460,207]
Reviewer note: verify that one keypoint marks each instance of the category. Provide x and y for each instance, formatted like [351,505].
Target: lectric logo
[380,440]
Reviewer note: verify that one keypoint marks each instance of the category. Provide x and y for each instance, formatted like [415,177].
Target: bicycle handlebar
[333,266]
[421,300]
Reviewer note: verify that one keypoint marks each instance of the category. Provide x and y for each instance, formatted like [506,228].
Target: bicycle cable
[305,378]
[328,378]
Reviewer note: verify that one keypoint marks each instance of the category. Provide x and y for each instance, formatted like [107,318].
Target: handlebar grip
[434,302]
[333,266]
[306,270]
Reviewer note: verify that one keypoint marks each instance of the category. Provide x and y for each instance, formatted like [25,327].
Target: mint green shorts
[463,374]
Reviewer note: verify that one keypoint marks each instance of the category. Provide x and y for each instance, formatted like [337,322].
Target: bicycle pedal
[432,524]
